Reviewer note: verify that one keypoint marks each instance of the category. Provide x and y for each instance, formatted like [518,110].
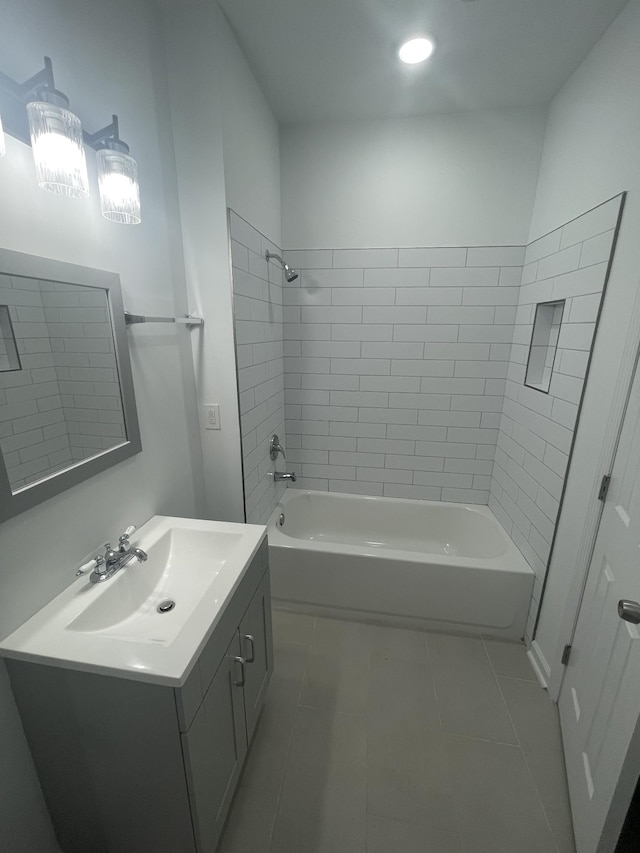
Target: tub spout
[280,476]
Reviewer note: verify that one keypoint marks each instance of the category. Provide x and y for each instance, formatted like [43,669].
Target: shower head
[289,273]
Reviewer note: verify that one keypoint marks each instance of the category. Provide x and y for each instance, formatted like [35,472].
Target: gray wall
[60,533]
[457,179]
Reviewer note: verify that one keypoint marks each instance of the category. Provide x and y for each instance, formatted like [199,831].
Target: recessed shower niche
[544,344]
[9,358]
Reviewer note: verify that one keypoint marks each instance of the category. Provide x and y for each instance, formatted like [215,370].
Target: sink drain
[166,605]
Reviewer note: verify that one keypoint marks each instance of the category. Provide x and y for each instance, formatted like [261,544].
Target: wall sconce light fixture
[38,114]
[118,180]
[58,146]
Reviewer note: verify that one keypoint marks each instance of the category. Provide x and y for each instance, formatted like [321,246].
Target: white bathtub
[437,565]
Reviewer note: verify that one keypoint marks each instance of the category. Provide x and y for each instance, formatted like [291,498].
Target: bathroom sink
[181,566]
[151,619]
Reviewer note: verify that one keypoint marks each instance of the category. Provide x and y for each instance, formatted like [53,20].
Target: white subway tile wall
[536,429]
[64,403]
[403,371]
[258,314]
[395,362]
[84,356]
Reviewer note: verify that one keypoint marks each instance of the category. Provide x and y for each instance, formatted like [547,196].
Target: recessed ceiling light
[416,50]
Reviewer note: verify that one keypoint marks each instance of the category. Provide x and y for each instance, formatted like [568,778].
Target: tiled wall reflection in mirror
[64,405]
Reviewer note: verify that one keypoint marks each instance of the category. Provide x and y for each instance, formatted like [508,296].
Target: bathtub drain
[166,605]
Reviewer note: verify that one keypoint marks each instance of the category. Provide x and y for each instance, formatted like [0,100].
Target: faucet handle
[124,546]
[95,563]
[128,532]
[275,447]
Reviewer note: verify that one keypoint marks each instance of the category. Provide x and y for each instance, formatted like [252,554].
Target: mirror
[67,408]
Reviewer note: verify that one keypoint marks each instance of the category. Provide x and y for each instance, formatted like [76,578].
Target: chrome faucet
[114,559]
[280,476]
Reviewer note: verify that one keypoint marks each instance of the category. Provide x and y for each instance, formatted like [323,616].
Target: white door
[600,698]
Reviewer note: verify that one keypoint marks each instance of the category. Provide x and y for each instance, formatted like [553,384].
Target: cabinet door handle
[249,639]
[242,662]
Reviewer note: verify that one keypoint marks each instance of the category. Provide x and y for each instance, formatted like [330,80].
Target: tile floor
[383,740]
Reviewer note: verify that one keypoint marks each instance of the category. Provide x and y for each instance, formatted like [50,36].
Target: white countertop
[66,632]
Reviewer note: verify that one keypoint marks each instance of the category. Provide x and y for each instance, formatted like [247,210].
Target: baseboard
[539,664]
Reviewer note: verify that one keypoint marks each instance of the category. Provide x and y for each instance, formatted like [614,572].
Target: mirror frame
[46,269]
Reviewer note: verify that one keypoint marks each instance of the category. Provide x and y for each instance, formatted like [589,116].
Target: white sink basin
[115,626]
[182,566]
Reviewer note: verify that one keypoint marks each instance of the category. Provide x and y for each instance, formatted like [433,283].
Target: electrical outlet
[211,416]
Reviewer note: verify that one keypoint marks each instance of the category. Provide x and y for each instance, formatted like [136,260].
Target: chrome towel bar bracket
[188,320]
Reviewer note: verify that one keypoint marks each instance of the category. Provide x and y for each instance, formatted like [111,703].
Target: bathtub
[443,566]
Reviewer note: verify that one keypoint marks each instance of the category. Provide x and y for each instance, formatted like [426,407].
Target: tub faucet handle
[275,447]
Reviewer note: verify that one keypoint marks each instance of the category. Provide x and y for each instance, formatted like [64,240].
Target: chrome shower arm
[268,255]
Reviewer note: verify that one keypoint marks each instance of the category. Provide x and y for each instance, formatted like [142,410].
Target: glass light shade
[119,188]
[58,149]
[2,144]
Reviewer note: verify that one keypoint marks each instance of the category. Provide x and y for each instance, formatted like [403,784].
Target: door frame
[622,796]
[625,783]
[591,529]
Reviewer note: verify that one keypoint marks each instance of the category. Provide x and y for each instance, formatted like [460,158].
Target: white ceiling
[322,60]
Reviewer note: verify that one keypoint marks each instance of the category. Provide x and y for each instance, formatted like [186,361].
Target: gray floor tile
[394,836]
[509,659]
[250,823]
[323,802]
[289,627]
[289,661]
[396,645]
[402,715]
[351,742]
[469,699]
[329,820]
[537,723]
[268,754]
[498,807]
[414,791]
[325,743]
[337,672]
[407,773]
[267,759]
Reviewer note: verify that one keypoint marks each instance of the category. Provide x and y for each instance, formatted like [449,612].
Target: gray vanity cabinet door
[257,649]
[214,748]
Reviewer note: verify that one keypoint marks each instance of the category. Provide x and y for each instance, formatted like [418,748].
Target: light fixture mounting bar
[14,95]
[107,137]
[13,99]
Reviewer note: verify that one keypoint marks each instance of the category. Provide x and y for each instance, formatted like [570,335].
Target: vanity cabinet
[217,741]
[257,649]
[214,750]
[126,765]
